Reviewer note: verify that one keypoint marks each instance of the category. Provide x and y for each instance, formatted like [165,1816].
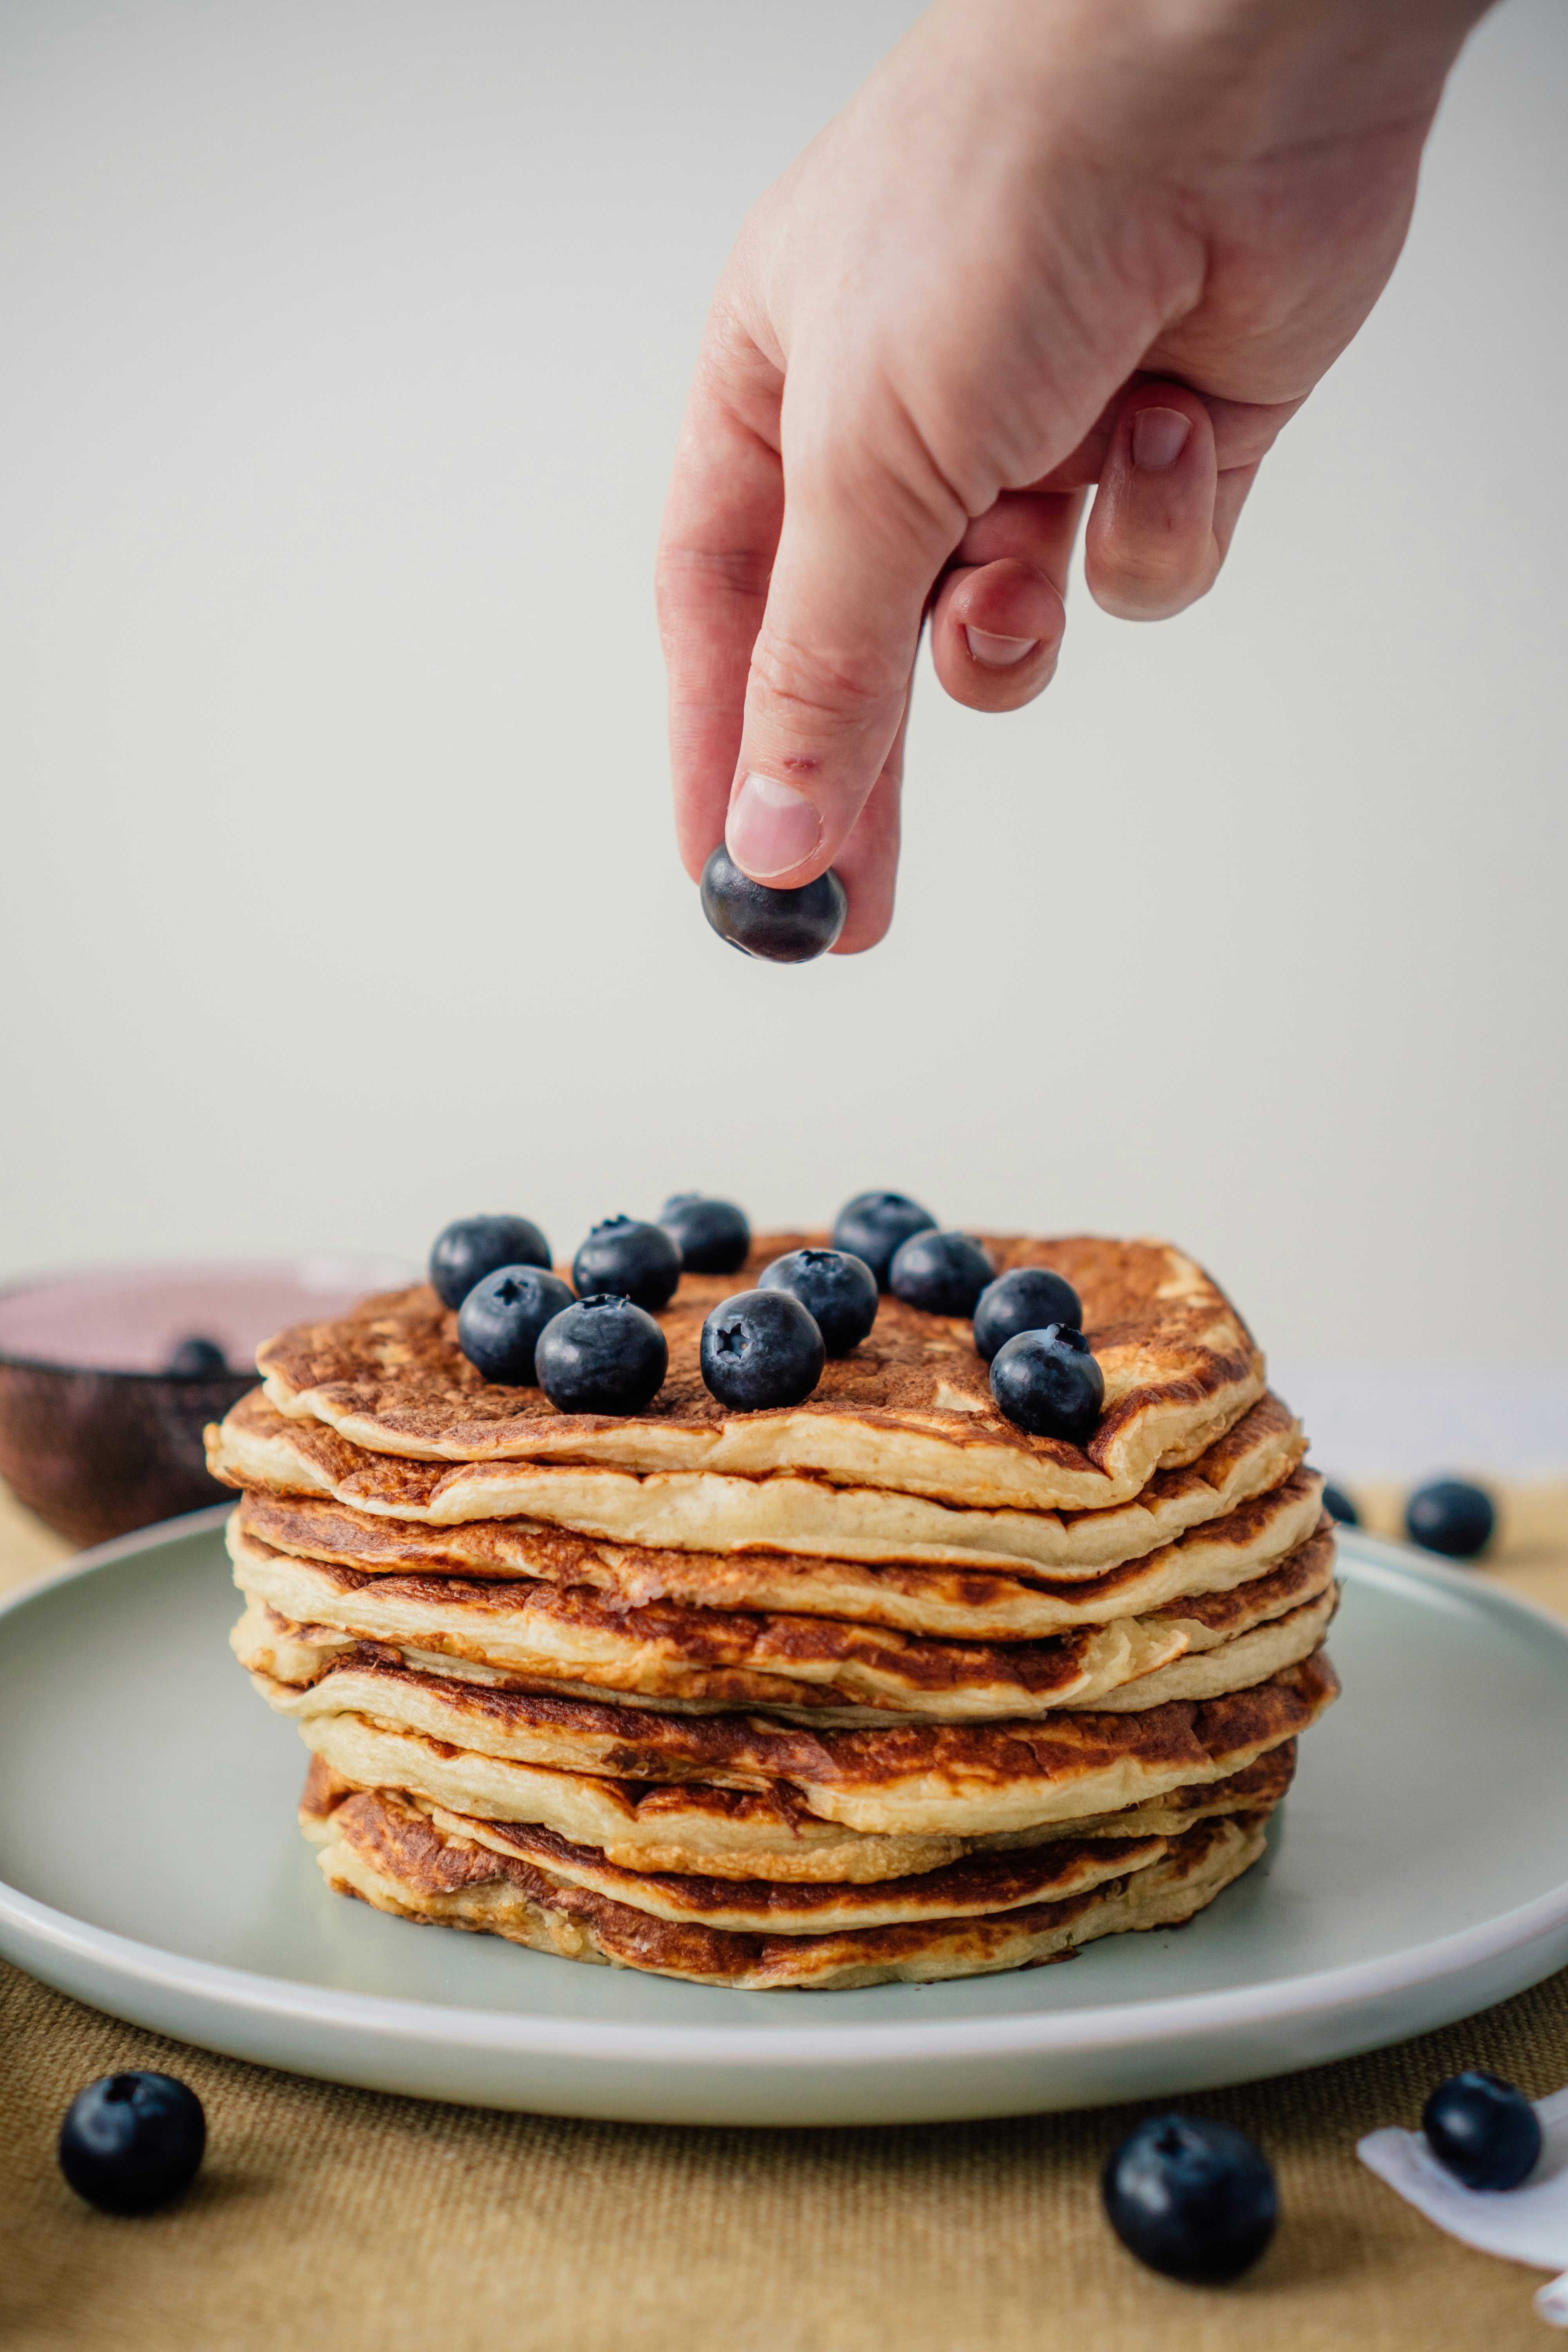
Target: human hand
[1051,244]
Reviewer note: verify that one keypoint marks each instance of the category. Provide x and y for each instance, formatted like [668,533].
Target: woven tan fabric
[326,2219]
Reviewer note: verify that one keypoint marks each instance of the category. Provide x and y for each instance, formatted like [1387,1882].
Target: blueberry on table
[500,1322]
[1482,2130]
[761,1349]
[712,1236]
[474,1246]
[1048,1383]
[1193,2200]
[1027,1300]
[1450,1517]
[837,1290]
[779,925]
[603,1354]
[943,1274]
[1339,1508]
[132,2142]
[872,1224]
[196,1359]
[639,1261]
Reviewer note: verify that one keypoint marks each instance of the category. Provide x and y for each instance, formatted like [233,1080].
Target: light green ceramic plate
[151,1865]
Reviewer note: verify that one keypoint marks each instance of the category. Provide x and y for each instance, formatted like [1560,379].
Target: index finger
[717,544]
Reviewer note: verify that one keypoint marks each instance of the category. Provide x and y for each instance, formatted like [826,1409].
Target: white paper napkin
[1524,2225]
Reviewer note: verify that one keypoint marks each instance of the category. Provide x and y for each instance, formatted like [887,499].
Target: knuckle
[729,574]
[821,687]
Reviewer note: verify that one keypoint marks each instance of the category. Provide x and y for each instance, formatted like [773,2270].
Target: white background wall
[345,343]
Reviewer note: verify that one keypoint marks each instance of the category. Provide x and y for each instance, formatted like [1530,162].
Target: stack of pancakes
[876,1686]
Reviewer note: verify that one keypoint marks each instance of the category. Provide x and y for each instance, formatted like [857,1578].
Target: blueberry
[639,1261]
[132,2142]
[1027,1300]
[1451,1517]
[1482,2130]
[781,926]
[499,1321]
[196,1359]
[837,1291]
[872,1225]
[762,1347]
[604,1354]
[1193,2200]
[1048,1383]
[476,1246]
[1339,1506]
[944,1274]
[712,1236]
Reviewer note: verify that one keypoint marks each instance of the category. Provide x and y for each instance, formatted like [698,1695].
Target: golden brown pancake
[964,1778]
[698,1511]
[394,1857]
[909,1409]
[997,1880]
[962,1604]
[305,1615]
[726,1833]
[976,1888]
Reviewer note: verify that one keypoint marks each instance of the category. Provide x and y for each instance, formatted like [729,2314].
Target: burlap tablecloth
[340,2219]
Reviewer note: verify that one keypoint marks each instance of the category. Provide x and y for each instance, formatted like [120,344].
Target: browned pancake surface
[964,1778]
[536,1636]
[704,1832]
[960,1603]
[391,1854]
[1179,1364]
[263,1451]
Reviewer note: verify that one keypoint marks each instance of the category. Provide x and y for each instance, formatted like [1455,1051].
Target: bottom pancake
[446,1870]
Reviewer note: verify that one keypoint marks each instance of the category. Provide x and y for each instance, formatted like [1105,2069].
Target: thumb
[858,549]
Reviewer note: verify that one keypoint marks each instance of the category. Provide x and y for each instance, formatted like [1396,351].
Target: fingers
[867,865]
[998,619]
[1244,431]
[716,550]
[864,536]
[1175,467]
[1174,480]
[1150,550]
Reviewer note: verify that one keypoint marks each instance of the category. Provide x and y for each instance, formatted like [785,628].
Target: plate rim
[866,2046]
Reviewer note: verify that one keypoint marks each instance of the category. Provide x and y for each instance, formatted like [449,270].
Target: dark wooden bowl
[97,1434]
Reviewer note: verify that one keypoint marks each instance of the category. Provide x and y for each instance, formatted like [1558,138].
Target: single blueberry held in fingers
[943,1273]
[499,1321]
[712,1236]
[1026,1299]
[761,1349]
[1482,2130]
[1048,1383]
[196,1359]
[132,2142]
[836,1290]
[1191,2198]
[872,1224]
[1339,1508]
[1450,1517]
[604,1354]
[780,926]
[474,1246]
[639,1261]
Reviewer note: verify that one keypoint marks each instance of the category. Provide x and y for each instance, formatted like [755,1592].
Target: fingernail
[1159,437]
[998,653]
[770,827]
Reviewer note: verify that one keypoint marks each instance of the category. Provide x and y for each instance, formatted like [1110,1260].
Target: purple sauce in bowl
[104,1396]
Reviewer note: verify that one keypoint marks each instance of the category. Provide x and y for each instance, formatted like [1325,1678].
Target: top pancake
[909,1410]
